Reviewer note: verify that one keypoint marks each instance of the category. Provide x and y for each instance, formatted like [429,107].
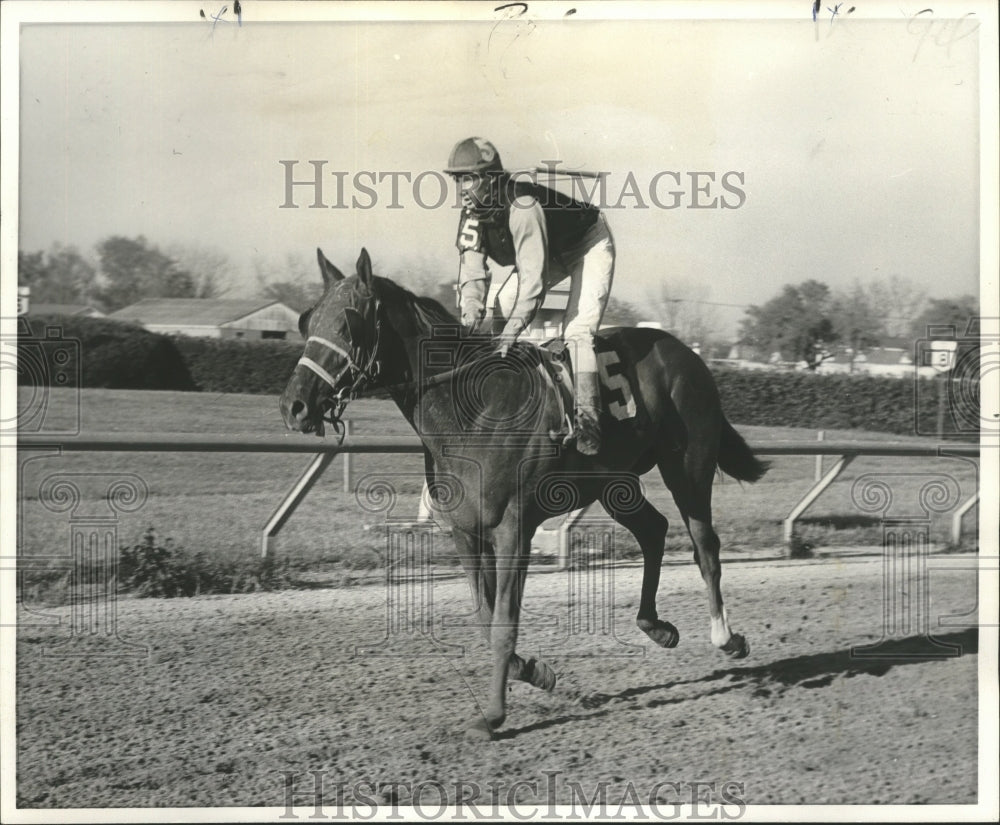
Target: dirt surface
[236,690]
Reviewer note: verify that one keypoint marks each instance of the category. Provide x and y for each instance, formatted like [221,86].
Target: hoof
[540,675]
[479,730]
[737,647]
[663,633]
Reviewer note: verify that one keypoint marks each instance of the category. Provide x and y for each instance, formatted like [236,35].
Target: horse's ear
[329,272]
[365,268]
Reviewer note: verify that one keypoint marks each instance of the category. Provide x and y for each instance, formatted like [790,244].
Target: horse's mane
[428,312]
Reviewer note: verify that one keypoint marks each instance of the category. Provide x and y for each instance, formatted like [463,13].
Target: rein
[369,372]
[561,435]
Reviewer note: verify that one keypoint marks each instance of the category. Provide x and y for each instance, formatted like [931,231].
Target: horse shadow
[841,522]
[810,671]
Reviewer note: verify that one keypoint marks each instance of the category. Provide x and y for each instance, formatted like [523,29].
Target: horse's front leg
[510,558]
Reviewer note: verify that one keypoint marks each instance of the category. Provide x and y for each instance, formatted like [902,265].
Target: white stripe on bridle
[330,345]
[309,364]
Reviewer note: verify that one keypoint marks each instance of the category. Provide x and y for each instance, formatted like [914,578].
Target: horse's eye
[304,323]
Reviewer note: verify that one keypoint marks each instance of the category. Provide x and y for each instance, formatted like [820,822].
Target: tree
[132,269]
[682,308]
[211,270]
[954,319]
[620,313]
[31,271]
[797,324]
[897,301]
[293,281]
[422,276]
[947,312]
[298,296]
[60,276]
[856,322]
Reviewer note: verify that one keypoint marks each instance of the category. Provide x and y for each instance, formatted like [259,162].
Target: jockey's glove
[504,342]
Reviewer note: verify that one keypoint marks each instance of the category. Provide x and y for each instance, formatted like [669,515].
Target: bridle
[358,373]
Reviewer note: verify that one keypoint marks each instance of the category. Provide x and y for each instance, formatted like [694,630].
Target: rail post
[348,481]
[810,497]
[819,458]
[956,519]
[291,501]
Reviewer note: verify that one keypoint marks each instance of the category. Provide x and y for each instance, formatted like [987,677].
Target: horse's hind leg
[691,488]
[649,527]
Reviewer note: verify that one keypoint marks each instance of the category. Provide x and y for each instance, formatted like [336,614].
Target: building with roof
[548,320]
[892,361]
[252,318]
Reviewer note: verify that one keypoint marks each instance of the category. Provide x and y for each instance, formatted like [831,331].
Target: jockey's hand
[504,343]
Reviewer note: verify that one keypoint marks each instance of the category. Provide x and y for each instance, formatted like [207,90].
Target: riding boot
[588,413]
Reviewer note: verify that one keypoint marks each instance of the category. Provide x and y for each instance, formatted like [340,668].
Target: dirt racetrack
[236,690]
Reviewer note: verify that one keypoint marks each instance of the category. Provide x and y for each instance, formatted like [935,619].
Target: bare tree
[211,269]
[293,280]
[857,322]
[423,275]
[684,309]
[897,301]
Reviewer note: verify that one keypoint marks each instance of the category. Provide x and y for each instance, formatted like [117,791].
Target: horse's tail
[736,458]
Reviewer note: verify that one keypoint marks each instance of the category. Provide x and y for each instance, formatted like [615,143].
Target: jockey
[548,237]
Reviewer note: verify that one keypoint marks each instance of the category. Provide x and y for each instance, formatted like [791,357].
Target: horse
[493,431]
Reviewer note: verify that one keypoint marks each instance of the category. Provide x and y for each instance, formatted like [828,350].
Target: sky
[851,143]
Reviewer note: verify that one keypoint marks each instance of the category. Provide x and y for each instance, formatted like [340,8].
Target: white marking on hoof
[720,630]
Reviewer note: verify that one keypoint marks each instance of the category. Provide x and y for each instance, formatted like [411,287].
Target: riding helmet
[473,156]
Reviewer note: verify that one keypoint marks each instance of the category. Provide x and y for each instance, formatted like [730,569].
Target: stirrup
[566,434]
[590,436]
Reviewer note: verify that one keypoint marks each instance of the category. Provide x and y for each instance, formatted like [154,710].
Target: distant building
[894,361]
[548,320]
[253,318]
[80,310]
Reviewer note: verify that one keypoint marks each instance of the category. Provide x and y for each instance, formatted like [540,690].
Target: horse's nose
[294,412]
[300,412]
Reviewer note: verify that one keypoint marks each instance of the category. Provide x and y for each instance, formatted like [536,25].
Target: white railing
[324,451]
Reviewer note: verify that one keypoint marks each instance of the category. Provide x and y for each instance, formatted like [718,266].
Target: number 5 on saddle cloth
[472,360]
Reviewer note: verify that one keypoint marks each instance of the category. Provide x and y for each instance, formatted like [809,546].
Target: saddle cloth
[618,396]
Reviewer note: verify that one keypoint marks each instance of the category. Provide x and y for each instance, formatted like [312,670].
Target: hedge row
[114,355]
[889,405]
[220,365]
[93,352]
[121,356]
